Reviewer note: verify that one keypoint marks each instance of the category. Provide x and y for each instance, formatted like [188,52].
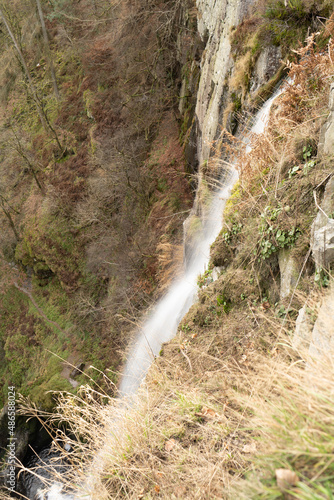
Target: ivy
[228,235]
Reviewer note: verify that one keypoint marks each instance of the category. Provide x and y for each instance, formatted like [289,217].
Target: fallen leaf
[265,305]
[169,445]
[285,479]
[249,448]
[207,413]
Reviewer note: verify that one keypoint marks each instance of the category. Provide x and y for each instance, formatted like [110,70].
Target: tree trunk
[25,67]
[48,50]
[41,112]
[9,217]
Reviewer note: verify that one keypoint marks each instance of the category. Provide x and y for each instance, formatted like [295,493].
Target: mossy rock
[221,253]
[236,285]
[24,254]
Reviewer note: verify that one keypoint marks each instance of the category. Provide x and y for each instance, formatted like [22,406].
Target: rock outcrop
[288,272]
[322,239]
[322,342]
[319,339]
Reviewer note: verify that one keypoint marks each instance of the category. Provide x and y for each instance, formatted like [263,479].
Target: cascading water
[161,324]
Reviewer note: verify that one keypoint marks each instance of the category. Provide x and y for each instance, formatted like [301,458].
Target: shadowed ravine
[162,321]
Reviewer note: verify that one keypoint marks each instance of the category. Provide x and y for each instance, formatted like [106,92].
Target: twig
[318,206]
[187,358]
[173,215]
[323,182]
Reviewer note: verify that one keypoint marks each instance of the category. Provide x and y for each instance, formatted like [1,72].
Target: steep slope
[192,435]
[93,194]
[94,185]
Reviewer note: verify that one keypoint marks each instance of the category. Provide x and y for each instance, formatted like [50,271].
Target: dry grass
[211,411]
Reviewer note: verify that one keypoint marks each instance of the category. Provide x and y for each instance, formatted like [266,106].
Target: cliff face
[215,23]
[231,76]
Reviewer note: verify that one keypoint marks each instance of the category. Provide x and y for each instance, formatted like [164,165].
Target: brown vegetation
[93,204]
[229,396]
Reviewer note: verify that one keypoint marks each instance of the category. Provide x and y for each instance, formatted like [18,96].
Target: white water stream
[161,324]
[162,321]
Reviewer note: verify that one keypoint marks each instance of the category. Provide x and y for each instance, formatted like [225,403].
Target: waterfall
[162,321]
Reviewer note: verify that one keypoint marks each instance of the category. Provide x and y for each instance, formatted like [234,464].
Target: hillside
[93,180]
[154,101]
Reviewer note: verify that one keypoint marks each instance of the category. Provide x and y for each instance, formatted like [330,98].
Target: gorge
[153,100]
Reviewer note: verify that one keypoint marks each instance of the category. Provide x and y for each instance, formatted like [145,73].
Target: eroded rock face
[326,143]
[215,20]
[322,237]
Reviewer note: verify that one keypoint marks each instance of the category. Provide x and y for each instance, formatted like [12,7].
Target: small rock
[249,448]
[322,343]
[323,245]
[77,370]
[322,235]
[216,272]
[289,272]
[303,332]
[73,383]
[286,479]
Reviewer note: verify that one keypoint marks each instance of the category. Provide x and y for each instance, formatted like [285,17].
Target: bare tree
[48,50]
[25,67]
[6,208]
[40,109]
[20,149]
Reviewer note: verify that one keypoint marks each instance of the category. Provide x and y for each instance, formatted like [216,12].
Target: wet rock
[266,66]
[12,449]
